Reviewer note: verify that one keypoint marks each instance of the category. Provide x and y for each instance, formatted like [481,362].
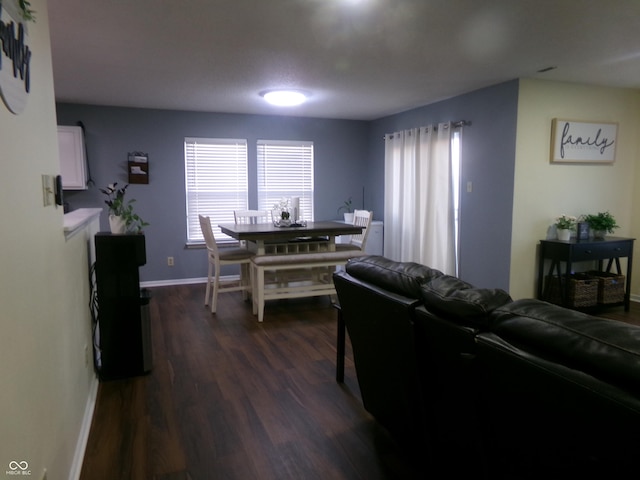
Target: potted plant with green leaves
[564,225]
[347,208]
[601,223]
[122,218]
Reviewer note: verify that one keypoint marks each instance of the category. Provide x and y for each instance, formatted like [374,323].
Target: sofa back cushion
[460,301]
[607,349]
[403,278]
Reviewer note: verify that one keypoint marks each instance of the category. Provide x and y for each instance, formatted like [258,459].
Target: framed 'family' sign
[583,142]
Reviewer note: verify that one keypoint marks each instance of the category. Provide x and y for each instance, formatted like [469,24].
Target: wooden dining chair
[361,218]
[252,216]
[218,258]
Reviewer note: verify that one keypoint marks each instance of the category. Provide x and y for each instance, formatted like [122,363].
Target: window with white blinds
[285,169]
[216,183]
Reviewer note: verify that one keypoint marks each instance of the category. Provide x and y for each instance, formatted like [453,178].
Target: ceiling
[359,59]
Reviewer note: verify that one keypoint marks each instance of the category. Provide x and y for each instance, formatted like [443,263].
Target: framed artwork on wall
[575,141]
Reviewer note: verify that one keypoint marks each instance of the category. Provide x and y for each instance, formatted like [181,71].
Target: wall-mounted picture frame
[138,167]
[576,141]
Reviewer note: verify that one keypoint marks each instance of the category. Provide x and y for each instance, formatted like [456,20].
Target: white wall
[44,318]
[544,190]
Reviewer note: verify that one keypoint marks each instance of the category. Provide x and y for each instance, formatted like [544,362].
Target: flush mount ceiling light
[284,98]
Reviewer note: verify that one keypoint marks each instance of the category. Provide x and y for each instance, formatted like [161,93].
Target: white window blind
[285,169]
[216,183]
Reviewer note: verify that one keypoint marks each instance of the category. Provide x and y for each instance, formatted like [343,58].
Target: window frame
[285,169]
[207,183]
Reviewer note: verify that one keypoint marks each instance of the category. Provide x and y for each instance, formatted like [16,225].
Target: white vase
[117,224]
[564,234]
[348,217]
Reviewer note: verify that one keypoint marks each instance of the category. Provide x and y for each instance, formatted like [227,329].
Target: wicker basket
[610,287]
[582,290]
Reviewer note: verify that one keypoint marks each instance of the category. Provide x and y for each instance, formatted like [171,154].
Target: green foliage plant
[347,206]
[120,207]
[602,221]
[566,222]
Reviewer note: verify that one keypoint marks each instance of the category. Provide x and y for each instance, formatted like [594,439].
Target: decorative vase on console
[117,224]
[564,234]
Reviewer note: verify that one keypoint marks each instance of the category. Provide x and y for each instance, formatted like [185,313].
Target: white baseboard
[183,281]
[173,281]
[83,438]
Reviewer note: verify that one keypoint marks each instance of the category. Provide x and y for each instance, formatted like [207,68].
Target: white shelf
[74,221]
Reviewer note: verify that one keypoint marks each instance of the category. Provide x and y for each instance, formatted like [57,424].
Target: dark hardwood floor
[231,398]
[618,313]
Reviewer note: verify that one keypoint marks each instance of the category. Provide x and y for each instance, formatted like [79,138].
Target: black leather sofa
[474,384]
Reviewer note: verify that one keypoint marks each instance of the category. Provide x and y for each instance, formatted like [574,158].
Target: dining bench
[307,275]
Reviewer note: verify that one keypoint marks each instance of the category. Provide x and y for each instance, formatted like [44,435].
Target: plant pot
[348,217]
[117,224]
[564,234]
[599,233]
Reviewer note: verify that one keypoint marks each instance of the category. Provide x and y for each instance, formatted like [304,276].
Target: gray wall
[349,161]
[488,161]
[340,154]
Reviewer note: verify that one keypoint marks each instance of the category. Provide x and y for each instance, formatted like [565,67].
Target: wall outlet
[170,261]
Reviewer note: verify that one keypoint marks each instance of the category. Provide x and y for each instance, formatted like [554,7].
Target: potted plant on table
[122,218]
[347,208]
[564,225]
[601,223]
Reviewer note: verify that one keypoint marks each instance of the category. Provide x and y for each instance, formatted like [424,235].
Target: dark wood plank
[231,398]
[618,313]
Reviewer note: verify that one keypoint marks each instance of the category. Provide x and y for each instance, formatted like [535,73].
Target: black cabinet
[570,252]
[123,335]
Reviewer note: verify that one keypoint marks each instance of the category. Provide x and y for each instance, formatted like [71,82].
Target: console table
[608,248]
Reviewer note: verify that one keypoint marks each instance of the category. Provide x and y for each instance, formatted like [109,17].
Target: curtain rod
[458,124]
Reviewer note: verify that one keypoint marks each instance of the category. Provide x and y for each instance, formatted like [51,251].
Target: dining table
[265,236]
[298,258]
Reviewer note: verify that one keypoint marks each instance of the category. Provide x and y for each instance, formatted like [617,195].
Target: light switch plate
[48,190]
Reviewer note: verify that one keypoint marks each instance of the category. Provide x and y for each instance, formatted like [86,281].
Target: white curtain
[419,215]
